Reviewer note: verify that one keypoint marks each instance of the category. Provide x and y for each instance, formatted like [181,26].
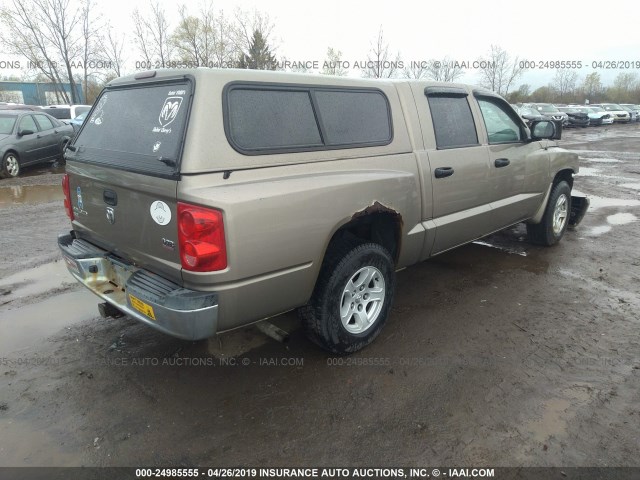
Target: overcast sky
[463,30]
[535,30]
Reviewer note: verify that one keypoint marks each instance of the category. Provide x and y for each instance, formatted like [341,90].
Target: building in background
[37,93]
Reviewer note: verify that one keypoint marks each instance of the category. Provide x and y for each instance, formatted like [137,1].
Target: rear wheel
[556,217]
[10,165]
[352,298]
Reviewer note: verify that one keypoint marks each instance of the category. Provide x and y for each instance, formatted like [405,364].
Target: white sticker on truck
[169,110]
[160,212]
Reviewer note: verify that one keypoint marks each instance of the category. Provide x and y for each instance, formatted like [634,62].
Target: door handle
[110,197]
[501,162]
[38,136]
[442,172]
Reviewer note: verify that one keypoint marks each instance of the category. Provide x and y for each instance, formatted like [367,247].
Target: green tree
[258,56]
[520,95]
[592,88]
[542,94]
[625,88]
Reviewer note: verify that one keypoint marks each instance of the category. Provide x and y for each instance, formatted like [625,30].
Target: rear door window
[452,121]
[137,128]
[44,122]
[262,119]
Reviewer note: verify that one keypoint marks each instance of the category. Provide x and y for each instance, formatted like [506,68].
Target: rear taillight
[67,196]
[201,238]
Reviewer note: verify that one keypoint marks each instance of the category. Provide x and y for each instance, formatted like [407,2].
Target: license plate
[142,307]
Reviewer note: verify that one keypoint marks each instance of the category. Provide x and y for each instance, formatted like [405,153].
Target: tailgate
[130,214]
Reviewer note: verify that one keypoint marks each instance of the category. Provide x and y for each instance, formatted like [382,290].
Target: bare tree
[333,64]
[90,44]
[226,45]
[498,72]
[111,53]
[416,70]
[152,36]
[445,70]
[564,83]
[380,63]
[48,34]
[208,39]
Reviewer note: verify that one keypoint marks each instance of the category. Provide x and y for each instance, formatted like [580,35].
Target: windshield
[597,109]
[6,124]
[81,110]
[136,128]
[612,107]
[81,117]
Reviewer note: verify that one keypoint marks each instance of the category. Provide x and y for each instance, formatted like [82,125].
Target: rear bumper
[149,298]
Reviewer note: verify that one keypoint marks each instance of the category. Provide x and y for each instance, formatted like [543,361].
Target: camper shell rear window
[137,127]
[264,118]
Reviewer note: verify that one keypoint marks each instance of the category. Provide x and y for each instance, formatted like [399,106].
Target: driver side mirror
[25,132]
[546,130]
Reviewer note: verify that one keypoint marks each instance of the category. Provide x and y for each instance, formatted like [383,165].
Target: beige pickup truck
[204,200]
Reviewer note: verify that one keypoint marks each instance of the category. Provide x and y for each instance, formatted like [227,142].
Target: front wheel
[352,298]
[556,217]
[10,165]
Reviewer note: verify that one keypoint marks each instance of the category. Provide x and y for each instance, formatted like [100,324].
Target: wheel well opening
[566,175]
[376,224]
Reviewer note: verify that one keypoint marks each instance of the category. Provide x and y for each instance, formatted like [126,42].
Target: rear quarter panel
[279,221]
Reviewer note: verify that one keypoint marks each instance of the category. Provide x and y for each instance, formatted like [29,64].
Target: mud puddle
[615,219]
[34,281]
[35,447]
[597,202]
[25,326]
[30,194]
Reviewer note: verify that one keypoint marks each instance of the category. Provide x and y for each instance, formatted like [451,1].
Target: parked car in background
[530,114]
[19,106]
[66,112]
[620,115]
[552,111]
[597,115]
[28,138]
[576,117]
[633,112]
[635,108]
[77,122]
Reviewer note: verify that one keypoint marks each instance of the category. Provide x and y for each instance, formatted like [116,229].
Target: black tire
[348,260]
[10,165]
[544,233]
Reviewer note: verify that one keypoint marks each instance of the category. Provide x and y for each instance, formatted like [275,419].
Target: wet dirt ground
[498,353]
